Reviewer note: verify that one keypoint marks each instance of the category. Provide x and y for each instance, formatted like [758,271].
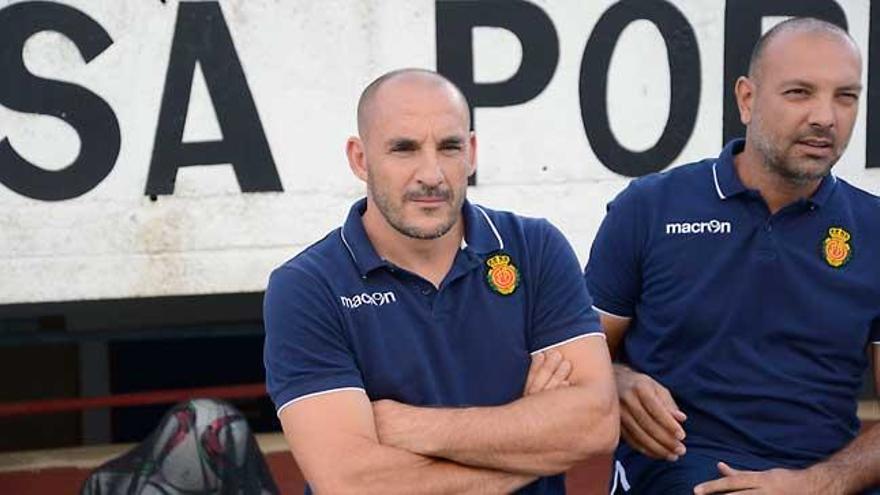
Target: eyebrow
[801,82]
[402,144]
[452,140]
[852,87]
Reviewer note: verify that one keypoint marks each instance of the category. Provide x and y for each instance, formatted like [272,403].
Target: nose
[430,172]
[822,113]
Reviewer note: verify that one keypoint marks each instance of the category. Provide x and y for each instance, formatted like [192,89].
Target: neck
[431,259]
[777,191]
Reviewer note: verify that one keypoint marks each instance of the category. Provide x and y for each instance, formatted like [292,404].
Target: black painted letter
[201,36]
[89,115]
[684,71]
[872,150]
[742,28]
[455,60]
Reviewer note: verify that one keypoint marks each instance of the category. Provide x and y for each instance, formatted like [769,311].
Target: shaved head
[415,151]
[368,97]
[798,25]
[800,102]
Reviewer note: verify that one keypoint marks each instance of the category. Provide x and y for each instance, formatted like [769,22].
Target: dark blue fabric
[337,315]
[652,477]
[761,341]
[648,476]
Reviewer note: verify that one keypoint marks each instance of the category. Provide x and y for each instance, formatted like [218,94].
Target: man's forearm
[372,468]
[854,468]
[540,434]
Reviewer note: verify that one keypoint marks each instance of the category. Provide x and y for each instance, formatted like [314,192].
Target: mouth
[817,146]
[429,200]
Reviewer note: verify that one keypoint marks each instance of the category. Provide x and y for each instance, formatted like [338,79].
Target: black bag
[201,447]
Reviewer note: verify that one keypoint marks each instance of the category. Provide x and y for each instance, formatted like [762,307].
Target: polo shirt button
[769,228]
[426,291]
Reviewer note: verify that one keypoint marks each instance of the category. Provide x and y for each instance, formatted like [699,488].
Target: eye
[796,92]
[849,97]
[451,147]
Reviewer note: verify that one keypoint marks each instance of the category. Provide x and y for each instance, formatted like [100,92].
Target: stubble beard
[393,213]
[795,171]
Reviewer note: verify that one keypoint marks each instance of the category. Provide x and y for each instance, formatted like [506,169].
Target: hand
[548,371]
[649,418]
[772,482]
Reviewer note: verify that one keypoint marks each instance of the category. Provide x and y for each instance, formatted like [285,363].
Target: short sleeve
[563,308]
[875,331]
[613,272]
[305,350]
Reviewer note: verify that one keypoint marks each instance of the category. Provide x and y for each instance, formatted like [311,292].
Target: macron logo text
[710,227]
[374,299]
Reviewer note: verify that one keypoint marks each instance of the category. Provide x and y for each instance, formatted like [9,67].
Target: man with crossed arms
[398,347]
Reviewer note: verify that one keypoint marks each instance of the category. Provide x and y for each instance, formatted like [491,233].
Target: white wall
[306,62]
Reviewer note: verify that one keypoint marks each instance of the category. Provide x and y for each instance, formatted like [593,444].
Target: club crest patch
[836,248]
[502,275]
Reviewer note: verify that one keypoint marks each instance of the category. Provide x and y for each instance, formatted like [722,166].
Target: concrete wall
[95,200]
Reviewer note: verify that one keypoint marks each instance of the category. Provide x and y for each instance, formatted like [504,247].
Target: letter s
[89,115]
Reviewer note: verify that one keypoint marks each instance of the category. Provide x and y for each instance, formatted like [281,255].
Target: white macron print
[374,299]
[713,226]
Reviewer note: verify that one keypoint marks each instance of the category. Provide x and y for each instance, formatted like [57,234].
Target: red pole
[132,399]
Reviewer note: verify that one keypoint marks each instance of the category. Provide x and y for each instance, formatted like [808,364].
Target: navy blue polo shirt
[758,324]
[338,316]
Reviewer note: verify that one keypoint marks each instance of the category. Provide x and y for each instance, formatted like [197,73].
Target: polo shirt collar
[481,235]
[826,187]
[356,241]
[727,183]
[724,176]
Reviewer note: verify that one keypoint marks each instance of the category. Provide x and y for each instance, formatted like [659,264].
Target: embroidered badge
[502,275]
[836,248]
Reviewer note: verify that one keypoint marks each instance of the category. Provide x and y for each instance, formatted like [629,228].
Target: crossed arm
[343,443]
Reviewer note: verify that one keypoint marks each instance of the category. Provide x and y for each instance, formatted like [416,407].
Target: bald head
[799,104]
[375,91]
[786,29]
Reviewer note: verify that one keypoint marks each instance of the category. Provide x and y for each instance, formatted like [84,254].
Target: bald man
[431,345]
[741,295]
